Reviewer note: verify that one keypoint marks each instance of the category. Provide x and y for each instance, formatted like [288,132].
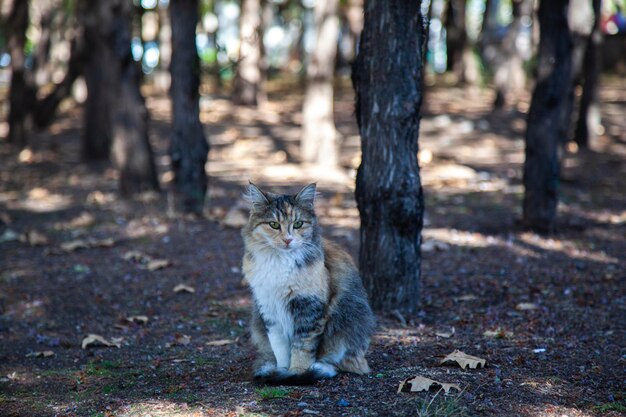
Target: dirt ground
[545,312]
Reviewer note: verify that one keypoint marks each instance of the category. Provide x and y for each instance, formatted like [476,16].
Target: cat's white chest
[271,278]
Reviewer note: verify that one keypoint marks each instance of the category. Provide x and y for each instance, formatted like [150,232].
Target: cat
[311,318]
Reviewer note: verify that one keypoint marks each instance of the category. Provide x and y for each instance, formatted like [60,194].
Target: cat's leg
[308,324]
[265,363]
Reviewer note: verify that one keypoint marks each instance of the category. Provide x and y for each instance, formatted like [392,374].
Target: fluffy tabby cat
[311,318]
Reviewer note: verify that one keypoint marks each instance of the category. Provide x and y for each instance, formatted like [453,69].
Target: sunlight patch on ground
[550,410]
[163,408]
[567,248]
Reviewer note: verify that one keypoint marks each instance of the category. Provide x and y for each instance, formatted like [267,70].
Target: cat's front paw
[323,370]
[265,371]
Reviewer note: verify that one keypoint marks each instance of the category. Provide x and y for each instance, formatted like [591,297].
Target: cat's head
[286,223]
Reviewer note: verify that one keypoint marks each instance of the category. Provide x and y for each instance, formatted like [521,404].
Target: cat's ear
[306,196]
[257,198]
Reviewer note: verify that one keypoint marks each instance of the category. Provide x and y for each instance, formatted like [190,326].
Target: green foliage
[103,368]
[271,393]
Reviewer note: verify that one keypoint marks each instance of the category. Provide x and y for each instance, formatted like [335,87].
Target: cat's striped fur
[311,318]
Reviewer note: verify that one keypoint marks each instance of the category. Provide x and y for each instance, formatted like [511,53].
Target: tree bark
[319,143]
[100,77]
[589,112]
[116,118]
[22,89]
[456,37]
[509,74]
[388,81]
[248,82]
[545,129]
[188,147]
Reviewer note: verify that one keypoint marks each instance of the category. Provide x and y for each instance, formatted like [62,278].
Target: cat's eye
[274,225]
[298,224]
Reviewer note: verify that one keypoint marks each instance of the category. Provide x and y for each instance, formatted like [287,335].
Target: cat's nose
[287,241]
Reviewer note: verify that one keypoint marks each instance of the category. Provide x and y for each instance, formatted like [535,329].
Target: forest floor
[545,312]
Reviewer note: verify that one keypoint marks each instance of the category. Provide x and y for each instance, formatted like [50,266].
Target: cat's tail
[285,377]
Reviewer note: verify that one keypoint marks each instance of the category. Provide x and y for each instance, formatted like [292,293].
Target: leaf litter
[419,383]
[464,360]
[97,340]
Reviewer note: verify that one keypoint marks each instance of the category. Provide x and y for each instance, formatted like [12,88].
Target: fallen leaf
[134,255]
[97,340]
[499,333]
[155,264]
[184,288]
[136,319]
[419,383]
[526,306]
[466,297]
[431,245]
[222,342]
[179,340]
[34,238]
[446,333]
[149,263]
[76,244]
[40,354]
[464,360]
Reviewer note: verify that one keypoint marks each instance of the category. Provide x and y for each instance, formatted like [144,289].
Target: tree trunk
[456,37]
[354,17]
[509,74]
[388,80]
[46,108]
[319,136]
[589,112]
[188,147]
[116,118]
[22,90]
[248,82]
[100,77]
[545,129]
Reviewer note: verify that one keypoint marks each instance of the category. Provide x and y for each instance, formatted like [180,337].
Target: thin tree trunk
[456,37]
[354,17]
[509,74]
[319,143]
[188,147]
[162,74]
[248,82]
[545,129]
[589,112]
[580,21]
[22,93]
[46,108]
[388,81]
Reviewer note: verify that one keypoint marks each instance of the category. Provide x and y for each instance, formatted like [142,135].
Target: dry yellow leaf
[526,306]
[155,264]
[136,319]
[464,360]
[419,383]
[34,238]
[222,342]
[87,243]
[97,340]
[184,288]
[40,354]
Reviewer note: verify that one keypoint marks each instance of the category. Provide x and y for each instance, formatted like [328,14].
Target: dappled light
[123,195]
